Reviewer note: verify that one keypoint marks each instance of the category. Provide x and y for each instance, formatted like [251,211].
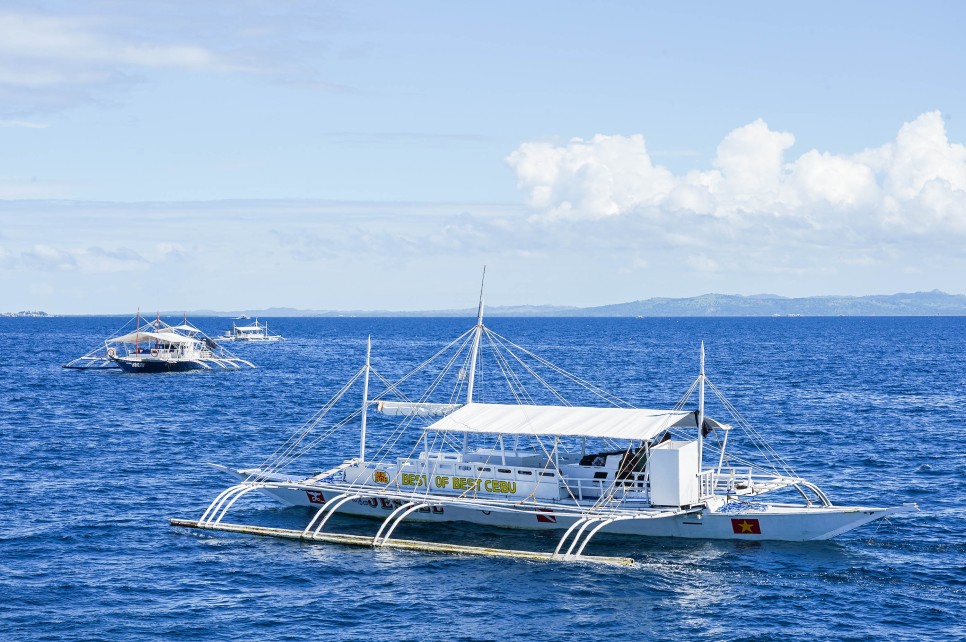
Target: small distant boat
[255,333]
[159,347]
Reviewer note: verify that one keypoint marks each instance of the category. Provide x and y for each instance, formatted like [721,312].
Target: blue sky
[376,155]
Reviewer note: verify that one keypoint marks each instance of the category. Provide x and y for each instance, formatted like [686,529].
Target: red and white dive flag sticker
[545,516]
[745,526]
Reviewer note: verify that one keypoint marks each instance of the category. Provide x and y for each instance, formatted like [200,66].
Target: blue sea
[95,463]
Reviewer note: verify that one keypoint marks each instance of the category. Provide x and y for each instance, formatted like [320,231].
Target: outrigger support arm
[219,507]
[395,519]
[332,506]
[589,525]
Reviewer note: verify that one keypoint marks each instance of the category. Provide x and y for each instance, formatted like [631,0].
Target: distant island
[934,303]
[913,304]
[25,313]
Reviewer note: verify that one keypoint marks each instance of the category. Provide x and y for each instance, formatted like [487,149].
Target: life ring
[154,352]
[111,353]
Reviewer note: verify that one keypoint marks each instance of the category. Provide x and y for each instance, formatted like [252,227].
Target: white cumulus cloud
[915,184]
[604,176]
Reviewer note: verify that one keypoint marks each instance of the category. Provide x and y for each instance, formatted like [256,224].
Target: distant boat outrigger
[254,333]
[157,346]
[538,463]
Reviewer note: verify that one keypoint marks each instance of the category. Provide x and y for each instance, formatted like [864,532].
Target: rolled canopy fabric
[572,421]
[415,408]
[181,328]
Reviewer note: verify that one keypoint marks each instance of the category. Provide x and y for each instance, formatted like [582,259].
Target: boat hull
[147,365]
[773,522]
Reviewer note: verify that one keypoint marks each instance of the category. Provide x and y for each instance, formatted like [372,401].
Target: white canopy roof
[162,337]
[580,421]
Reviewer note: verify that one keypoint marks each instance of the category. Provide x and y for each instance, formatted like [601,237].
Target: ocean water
[95,463]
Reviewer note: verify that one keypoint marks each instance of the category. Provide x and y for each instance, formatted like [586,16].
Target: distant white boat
[157,346]
[536,462]
[256,333]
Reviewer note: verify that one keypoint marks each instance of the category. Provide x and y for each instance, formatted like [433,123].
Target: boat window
[547,474]
[598,459]
[503,470]
[524,472]
[485,470]
[602,475]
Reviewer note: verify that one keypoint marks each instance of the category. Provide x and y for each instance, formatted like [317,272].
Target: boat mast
[701,414]
[137,327]
[476,343]
[365,403]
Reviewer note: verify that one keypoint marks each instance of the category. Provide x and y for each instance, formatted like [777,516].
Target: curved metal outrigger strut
[595,523]
[590,535]
[332,506]
[822,497]
[219,507]
[394,519]
[217,501]
[580,525]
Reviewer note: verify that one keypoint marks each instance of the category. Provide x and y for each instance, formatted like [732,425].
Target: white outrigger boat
[254,333]
[156,346]
[577,470]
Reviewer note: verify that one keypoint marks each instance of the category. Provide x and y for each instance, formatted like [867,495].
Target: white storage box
[674,474]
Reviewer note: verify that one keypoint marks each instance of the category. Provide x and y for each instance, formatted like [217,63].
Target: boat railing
[706,483]
[731,480]
[172,352]
[634,486]
[743,481]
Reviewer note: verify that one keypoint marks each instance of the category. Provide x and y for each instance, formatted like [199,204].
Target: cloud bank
[912,186]
[603,223]
[53,61]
